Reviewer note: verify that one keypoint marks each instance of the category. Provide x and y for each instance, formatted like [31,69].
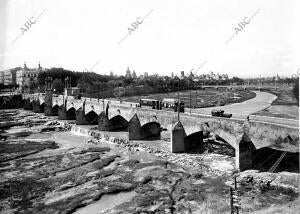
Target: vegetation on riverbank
[285,96]
[286,105]
[97,85]
[202,98]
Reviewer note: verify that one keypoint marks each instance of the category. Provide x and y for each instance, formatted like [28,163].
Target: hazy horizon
[175,36]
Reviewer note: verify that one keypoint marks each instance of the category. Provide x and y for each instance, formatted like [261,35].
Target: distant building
[155,75]
[146,75]
[26,77]
[182,74]
[128,74]
[1,77]
[191,76]
[111,74]
[134,75]
[72,91]
[172,75]
[8,77]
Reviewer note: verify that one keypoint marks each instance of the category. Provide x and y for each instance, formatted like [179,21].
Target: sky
[171,36]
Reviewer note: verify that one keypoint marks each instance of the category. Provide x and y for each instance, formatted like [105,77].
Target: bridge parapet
[31,97]
[25,96]
[59,100]
[263,134]
[128,112]
[150,116]
[93,106]
[73,103]
[125,111]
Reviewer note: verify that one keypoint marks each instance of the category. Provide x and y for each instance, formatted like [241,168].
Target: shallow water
[107,202]
[16,129]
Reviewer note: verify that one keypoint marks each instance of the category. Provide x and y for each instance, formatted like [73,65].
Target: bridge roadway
[141,123]
[240,111]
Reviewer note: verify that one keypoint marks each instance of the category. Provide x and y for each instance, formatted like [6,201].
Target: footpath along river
[48,167]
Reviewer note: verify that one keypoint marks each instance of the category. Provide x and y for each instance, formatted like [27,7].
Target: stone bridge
[143,122]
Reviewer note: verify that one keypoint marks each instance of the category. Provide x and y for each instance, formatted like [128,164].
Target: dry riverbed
[44,168]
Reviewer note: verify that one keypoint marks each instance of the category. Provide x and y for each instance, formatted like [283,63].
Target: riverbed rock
[42,176]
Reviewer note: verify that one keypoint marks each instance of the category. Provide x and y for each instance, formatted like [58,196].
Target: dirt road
[261,101]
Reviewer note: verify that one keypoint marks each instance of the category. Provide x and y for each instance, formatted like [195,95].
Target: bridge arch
[56,104]
[42,106]
[55,110]
[27,104]
[37,107]
[232,140]
[194,141]
[71,113]
[118,123]
[221,146]
[92,118]
[150,130]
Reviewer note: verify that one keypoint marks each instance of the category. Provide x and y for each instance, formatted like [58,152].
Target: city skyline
[173,37]
[130,73]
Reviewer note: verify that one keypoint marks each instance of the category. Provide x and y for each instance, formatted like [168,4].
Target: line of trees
[97,85]
[296,90]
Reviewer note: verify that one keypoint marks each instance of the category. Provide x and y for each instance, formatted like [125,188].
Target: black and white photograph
[149,106]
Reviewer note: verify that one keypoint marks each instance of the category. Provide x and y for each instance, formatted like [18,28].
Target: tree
[134,75]
[59,73]
[296,90]
[237,80]
[33,87]
[58,85]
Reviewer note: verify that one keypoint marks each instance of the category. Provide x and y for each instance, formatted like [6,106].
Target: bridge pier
[63,114]
[134,128]
[48,96]
[86,119]
[48,103]
[103,122]
[177,138]
[245,155]
[80,119]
